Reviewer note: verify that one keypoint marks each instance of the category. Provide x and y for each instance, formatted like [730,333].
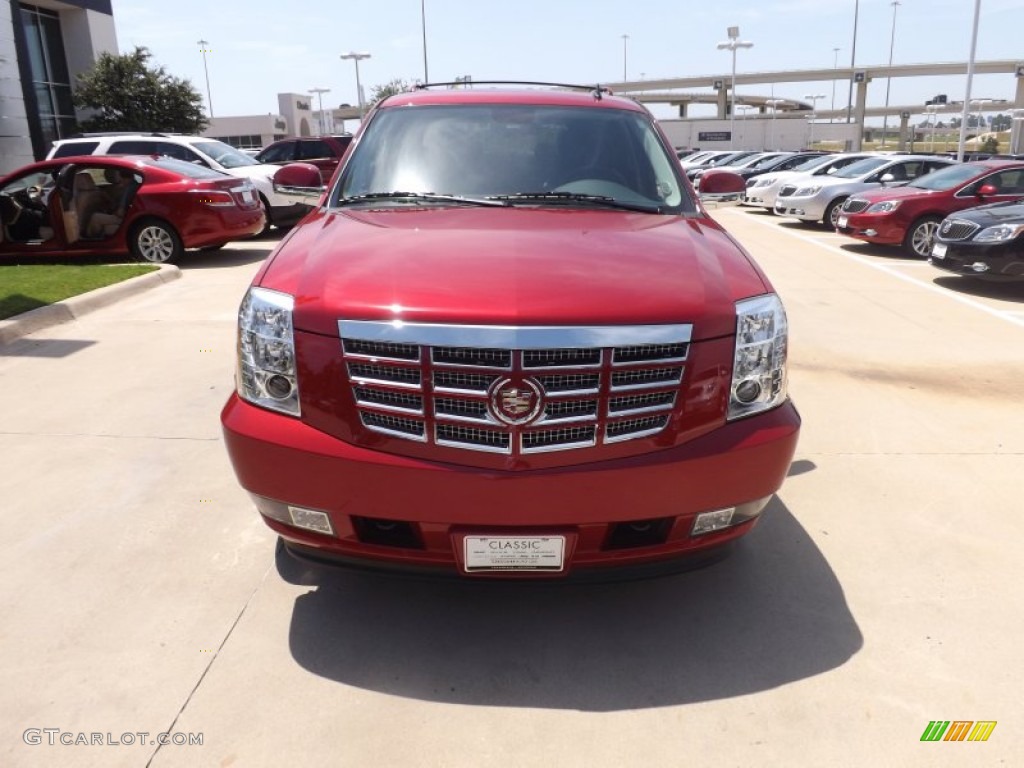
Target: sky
[260,48]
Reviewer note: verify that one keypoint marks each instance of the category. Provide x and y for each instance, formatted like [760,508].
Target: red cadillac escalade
[509,341]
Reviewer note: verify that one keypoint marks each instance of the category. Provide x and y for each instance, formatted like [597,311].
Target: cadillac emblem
[516,402]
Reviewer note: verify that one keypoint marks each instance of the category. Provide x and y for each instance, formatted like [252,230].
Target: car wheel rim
[834,216]
[924,237]
[155,244]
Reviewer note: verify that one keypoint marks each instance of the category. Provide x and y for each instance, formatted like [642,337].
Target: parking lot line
[1006,315]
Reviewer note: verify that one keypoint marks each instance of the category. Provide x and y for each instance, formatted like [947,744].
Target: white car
[764,189]
[818,198]
[210,153]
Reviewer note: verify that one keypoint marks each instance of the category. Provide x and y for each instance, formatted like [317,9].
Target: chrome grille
[957,229]
[418,383]
[854,205]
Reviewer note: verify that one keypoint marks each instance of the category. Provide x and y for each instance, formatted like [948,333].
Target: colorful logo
[958,730]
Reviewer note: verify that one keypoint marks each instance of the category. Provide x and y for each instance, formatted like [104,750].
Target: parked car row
[966,218]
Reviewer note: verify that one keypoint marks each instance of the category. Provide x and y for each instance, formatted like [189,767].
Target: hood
[512,266]
[997,213]
[876,195]
[253,172]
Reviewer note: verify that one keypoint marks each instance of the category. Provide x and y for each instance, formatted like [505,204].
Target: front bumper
[1004,261]
[881,230]
[593,505]
[803,208]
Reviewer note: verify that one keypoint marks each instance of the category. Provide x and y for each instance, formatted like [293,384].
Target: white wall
[784,133]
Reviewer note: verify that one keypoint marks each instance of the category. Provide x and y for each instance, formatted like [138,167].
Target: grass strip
[24,287]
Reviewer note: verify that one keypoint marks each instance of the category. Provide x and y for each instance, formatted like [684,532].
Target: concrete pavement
[880,591]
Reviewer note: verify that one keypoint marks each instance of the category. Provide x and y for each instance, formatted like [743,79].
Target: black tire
[268,221]
[921,236]
[832,213]
[155,241]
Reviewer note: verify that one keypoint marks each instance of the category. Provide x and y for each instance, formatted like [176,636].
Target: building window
[248,141]
[49,72]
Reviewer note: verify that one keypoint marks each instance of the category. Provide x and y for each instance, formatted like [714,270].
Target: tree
[127,94]
[381,92]
[991,144]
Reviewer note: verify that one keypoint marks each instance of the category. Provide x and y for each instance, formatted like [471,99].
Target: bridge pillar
[858,114]
[723,102]
[904,123]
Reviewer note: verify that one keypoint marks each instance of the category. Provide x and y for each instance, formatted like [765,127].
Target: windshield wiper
[418,197]
[576,197]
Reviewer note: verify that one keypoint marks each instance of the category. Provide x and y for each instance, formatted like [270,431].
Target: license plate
[514,553]
[939,251]
[842,222]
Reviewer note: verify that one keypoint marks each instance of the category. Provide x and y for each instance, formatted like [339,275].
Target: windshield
[814,162]
[192,170]
[523,154]
[861,167]
[947,178]
[767,162]
[224,154]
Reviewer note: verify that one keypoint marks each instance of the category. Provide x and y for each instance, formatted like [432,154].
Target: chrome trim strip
[632,435]
[558,447]
[513,337]
[395,433]
[644,385]
[645,409]
[370,405]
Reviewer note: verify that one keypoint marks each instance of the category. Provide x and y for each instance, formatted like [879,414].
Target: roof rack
[101,134]
[597,89]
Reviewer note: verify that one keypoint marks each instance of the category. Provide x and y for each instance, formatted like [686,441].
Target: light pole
[888,81]
[625,42]
[204,50]
[774,103]
[732,45]
[970,80]
[933,111]
[320,95]
[813,98]
[357,57]
[1016,132]
[853,62]
[423,26]
[835,65]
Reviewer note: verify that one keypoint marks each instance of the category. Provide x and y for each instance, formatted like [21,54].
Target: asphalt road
[881,591]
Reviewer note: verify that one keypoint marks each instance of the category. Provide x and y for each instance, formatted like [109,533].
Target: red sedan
[151,207]
[909,216]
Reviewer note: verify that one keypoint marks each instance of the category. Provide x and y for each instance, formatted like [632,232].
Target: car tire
[268,222]
[832,213]
[155,241]
[920,237]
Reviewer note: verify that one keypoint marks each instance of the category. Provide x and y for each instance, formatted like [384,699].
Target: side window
[935,166]
[280,153]
[76,148]
[177,151]
[133,147]
[314,150]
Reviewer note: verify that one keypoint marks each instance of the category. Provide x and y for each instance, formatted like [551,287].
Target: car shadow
[890,252]
[771,614]
[1012,291]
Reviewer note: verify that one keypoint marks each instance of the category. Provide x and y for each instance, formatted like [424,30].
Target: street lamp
[625,41]
[204,50]
[853,62]
[933,111]
[970,80]
[732,45]
[835,65]
[813,98]
[423,26]
[357,57]
[320,95]
[892,43]
[774,104]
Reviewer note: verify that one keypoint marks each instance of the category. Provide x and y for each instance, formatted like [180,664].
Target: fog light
[707,522]
[311,520]
[748,391]
[278,387]
[980,266]
[871,232]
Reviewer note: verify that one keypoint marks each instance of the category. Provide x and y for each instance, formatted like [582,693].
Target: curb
[72,308]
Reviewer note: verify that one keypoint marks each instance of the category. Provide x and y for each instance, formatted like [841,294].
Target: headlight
[266,351]
[807,191]
[999,233]
[887,207]
[759,364]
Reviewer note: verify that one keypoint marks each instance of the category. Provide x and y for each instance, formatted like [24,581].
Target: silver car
[819,199]
[763,190]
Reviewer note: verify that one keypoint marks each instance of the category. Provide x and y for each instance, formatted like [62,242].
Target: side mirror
[721,186]
[299,181]
[986,190]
